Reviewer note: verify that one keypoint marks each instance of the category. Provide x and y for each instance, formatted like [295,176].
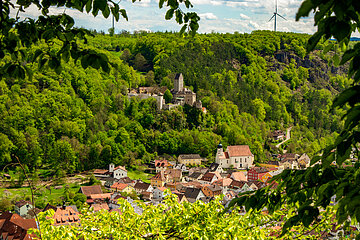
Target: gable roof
[190,156]
[224,182]
[100,171]
[142,186]
[195,175]
[162,163]
[238,176]
[259,170]
[22,203]
[121,168]
[192,193]
[214,188]
[213,167]
[88,190]
[208,177]
[174,173]
[119,186]
[13,226]
[98,207]
[65,215]
[159,176]
[239,150]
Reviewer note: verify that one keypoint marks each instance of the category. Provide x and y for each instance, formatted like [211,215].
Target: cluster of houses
[232,172]
[181,95]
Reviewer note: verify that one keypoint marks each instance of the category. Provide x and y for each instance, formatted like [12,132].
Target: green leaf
[304,9]
[123,13]
[106,12]
[88,6]
[169,14]
[161,3]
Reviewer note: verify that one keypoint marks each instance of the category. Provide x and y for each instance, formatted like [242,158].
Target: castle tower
[111,167]
[178,82]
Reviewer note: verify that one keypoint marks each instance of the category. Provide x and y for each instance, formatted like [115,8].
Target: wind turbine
[274,16]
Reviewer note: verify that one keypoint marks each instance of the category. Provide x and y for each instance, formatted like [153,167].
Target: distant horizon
[222,16]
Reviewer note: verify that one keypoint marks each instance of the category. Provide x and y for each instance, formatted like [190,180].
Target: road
[287,137]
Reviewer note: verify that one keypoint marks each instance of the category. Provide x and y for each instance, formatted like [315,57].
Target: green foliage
[172,220]
[168,96]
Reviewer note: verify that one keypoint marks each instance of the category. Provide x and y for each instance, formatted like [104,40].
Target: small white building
[238,156]
[117,172]
[22,208]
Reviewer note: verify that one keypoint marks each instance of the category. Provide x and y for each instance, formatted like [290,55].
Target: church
[238,156]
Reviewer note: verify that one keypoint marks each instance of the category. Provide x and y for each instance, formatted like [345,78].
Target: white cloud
[243,16]
[208,16]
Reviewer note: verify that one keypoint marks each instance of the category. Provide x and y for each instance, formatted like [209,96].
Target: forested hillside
[250,84]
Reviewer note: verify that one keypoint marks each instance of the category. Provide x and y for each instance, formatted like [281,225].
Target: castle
[181,95]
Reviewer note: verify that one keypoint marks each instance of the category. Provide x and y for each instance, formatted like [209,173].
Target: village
[190,177]
[232,173]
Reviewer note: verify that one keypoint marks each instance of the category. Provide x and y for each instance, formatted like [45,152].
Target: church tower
[178,82]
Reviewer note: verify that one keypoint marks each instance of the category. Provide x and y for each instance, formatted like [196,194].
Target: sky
[223,16]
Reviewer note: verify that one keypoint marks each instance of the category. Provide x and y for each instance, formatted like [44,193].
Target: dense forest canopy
[250,85]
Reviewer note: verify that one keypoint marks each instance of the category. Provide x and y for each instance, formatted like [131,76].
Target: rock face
[319,69]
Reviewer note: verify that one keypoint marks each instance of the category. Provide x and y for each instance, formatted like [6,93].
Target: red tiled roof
[100,171]
[100,196]
[161,163]
[238,176]
[239,150]
[119,186]
[88,190]
[98,207]
[14,226]
[120,167]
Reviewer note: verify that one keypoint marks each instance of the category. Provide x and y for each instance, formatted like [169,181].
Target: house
[118,172]
[175,175]
[193,194]
[141,187]
[224,183]
[109,181]
[180,166]
[161,165]
[241,186]
[147,196]
[266,177]
[181,197]
[198,169]
[304,161]
[158,193]
[209,178]
[194,176]
[174,186]
[289,163]
[238,176]
[190,159]
[255,185]
[238,156]
[212,190]
[64,215]
[13,226]
[100,206]
[126,180]
[215,167]
[256,173]
[270,164]
[122,187]
[159,179]
[103,173]
[23,207]
[278,135]
[89,190]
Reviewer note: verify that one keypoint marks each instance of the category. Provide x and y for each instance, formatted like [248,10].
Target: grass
[139,174]
[46,194]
